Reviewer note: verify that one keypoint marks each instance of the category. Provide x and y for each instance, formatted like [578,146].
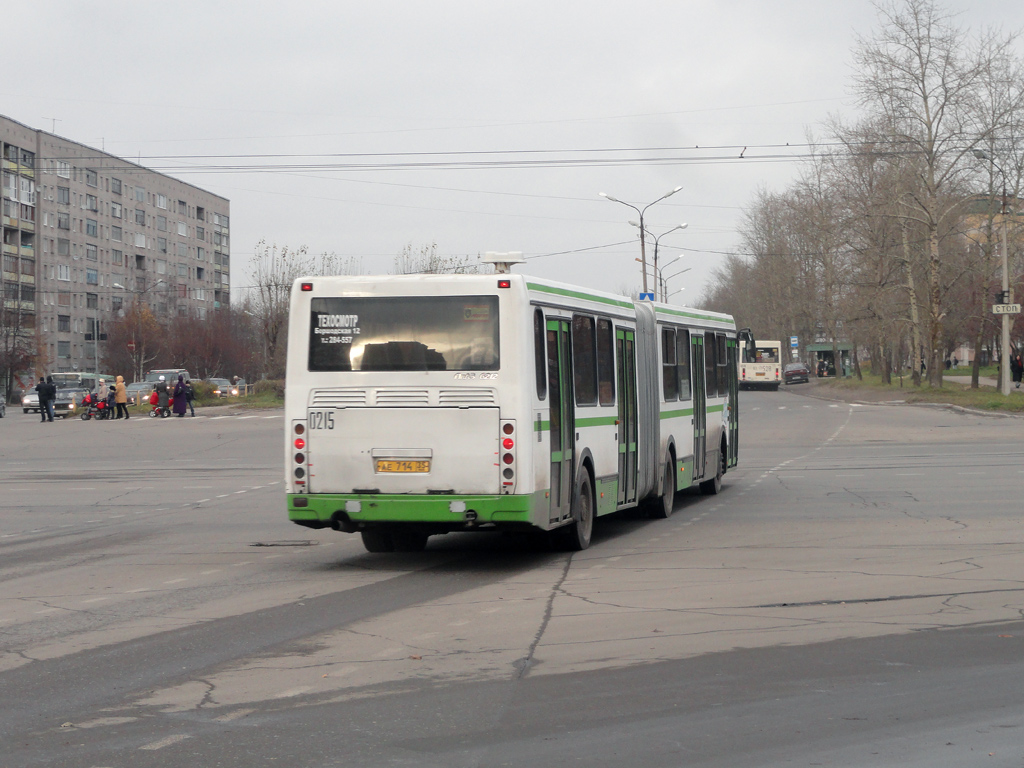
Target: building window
[64,323]
[116,234]
[91,203]
[91,179]
[116,303]
[182,250]
[64,195]
[182,271]
[116,257]
[90,252]
[140,240]
[92,301]
[92,228]
[140,217]
[161,223]
[161,201]
[200,233]
[200,272]
[182,229]
[63,220]
[64,349]
[161,266]
[140,194]
[161,244]
[200,254]
[92,277]
[64,169]
[115,210]
[64,300]
[115,186]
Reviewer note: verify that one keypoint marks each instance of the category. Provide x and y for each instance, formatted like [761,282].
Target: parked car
[794,373]
[138,391]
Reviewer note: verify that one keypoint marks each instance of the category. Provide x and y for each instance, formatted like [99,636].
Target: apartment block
[86,233]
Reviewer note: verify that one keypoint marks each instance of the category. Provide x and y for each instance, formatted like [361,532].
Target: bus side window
[668,364]
[683,363]
[710,365]
[723,364]
[605,362]
[539,355]
[584,360]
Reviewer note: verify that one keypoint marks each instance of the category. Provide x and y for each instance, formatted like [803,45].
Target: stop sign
[131,346]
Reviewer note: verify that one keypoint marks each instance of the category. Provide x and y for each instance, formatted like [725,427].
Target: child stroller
[160,407]
[92,407]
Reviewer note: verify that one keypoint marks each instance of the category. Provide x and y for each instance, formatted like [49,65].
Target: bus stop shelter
[823,354]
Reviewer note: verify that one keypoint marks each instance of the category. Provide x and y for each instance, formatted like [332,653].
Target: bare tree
[426,260]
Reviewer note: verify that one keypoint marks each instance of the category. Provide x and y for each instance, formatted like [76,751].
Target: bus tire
[714,485]
[377,540]
[661,507]
[408,540]
[575,536]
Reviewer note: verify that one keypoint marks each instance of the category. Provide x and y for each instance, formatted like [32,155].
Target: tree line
[889,237]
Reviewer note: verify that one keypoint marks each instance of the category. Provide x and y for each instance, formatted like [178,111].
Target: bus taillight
[300,471]
[508,457]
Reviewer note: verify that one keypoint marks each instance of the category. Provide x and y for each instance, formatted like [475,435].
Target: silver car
[30,402]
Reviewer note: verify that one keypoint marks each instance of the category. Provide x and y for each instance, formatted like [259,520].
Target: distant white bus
[424,404]
[760,364]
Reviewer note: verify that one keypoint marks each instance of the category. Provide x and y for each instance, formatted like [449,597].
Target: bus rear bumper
[351,513]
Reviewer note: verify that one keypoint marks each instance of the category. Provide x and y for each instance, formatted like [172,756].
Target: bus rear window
[404,333]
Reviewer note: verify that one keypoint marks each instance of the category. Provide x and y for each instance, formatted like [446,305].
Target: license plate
[403,465]
[759,373]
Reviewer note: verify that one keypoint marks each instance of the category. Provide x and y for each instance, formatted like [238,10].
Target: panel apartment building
[86,233]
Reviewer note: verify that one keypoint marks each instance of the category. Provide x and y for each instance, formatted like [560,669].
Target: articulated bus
[425,404]
[760,364]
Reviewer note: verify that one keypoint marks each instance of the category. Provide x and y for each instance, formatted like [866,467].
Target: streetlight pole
[1004,352]
[656,241]
[640,211]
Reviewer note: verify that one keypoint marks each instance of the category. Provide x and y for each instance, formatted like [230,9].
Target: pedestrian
[51,398]
[41,391]
[121,397]
[180,397]
[190,396]
[1016,368]
[161,394]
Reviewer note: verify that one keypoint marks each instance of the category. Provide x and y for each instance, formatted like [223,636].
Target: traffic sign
[793,341]
[1006,309]
[646,297]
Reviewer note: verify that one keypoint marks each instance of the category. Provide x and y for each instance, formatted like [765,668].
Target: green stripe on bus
[696,316]
[597,421]
[679,412]
[715,408]
[578,295]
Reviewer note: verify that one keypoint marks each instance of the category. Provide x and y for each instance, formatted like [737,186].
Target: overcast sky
[478,126]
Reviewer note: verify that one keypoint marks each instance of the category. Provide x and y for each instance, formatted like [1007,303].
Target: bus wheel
[576,536]
[406,540]
[714,485]
[377,540]
[661,508]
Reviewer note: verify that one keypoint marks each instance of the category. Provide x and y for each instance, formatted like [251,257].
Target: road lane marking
[166,742]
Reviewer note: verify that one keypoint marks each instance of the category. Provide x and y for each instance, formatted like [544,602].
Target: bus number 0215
[321,419]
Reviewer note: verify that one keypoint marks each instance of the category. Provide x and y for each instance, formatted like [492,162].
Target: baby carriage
[92,406]
[160,408]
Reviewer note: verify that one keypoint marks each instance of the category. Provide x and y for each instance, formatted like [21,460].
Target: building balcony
[10,250]
[28,225]
[10,277]
[28,251]
[10,221]
[28,279]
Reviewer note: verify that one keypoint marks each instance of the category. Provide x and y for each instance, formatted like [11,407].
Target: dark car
[793,373]
[138,392]
[68,400]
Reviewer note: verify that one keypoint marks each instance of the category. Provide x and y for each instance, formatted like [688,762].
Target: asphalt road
[853,598]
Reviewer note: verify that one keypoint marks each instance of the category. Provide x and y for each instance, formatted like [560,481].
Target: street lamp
[1004,352]
[640,211]
[664,283]
[656,241]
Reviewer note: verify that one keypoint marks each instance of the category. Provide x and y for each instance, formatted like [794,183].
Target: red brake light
[504,283]
[307,286]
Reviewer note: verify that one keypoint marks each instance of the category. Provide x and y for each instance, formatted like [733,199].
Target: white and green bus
[425,404]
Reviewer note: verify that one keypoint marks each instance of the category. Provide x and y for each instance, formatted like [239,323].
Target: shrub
[265,387]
